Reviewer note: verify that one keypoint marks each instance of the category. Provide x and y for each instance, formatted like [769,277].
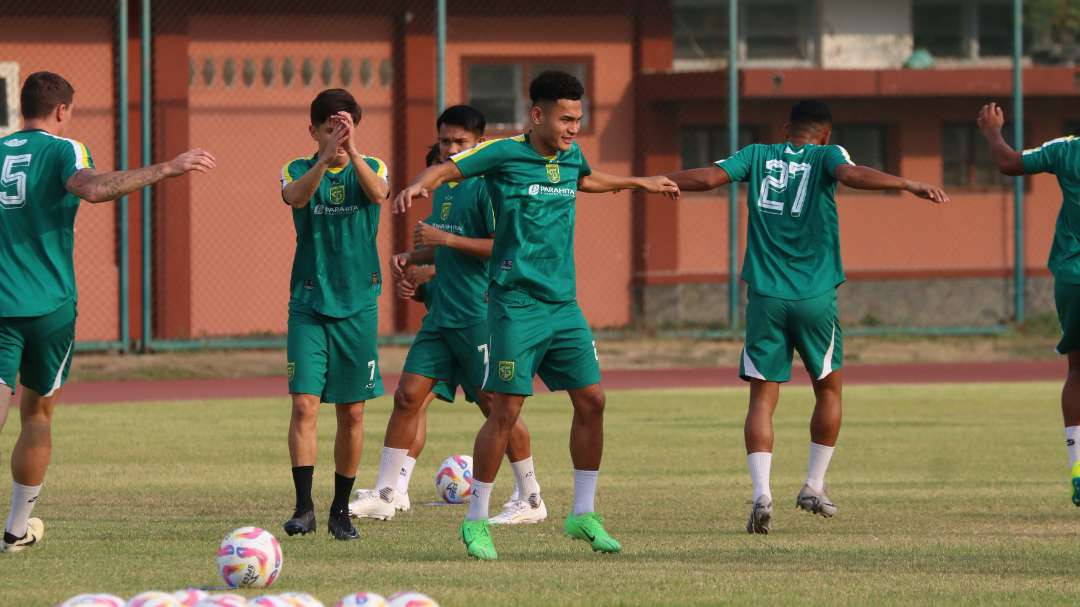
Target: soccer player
[792,269]
[43,176]
[1062,158]
[333,320]
[535,322]
[452,342]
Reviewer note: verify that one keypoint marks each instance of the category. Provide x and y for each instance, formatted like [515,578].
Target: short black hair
[332,101]
[552,85]
[432,155]
[809,113]
[42,92]
[465,116]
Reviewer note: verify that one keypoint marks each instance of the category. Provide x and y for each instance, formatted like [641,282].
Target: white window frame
[9,71]
[970,35]
[811,33]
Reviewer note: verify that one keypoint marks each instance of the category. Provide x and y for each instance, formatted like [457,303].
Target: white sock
[478,503]
[585,491]
[23,499]
[390,465]
[1072,443]
[525,480]
[818,463]
[406,475]
[760,463]
[516,495]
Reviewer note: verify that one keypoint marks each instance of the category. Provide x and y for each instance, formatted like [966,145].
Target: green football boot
[478,540]
[1076,483]
[590,527]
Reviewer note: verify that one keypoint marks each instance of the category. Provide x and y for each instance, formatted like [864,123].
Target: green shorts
[333,358]
[38,348]
[1067,301]
[530,337]
[775,327]
[446,392]
[455,356]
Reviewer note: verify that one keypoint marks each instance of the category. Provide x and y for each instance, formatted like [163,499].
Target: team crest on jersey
[444,213]
[506,370]
[553,172]
[14,143]
[290,370]
[337,193]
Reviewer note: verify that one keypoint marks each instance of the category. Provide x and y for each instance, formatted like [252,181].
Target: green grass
[947,495]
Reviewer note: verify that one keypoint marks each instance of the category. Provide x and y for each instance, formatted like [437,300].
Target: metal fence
[204,261]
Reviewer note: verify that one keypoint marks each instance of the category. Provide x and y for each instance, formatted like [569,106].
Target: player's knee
[305,410]
[591,404]
[407,400]
[350,415]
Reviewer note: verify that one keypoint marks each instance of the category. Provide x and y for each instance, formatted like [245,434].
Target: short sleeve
[486,208]
[835,155]
[1047,157]
[585,168]
[737,166]
[74,157]
[293,170]
[482,158]
[376,165]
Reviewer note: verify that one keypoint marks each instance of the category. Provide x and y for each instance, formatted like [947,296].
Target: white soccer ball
[190,597]
[411,599]
[300,599]
[249,557]
[362,599]
[153,599]
[223,600]
[453,481]
[93,600]
[269,600]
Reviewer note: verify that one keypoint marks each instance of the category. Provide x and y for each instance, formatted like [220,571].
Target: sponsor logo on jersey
[553,172]
[546,190]
[290,370]
[506,370]
[337,193]
[444,212]
[14,143]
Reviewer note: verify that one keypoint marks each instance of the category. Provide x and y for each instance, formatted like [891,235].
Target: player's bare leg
[303,450]
[758,435]
[491,442]
[348,444]
[29,461]
[1070,413]
[824,429]
[586,450]
[525,505]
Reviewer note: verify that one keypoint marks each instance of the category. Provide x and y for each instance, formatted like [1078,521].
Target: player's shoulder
[377,164]
[1068,141]
[297,162]
[499,145]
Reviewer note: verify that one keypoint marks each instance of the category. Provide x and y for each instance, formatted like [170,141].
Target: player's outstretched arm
[990,121]
[103,187]
[428,179]
[700,180]
[866,178]
[425,235]
[597,182]
[376,188]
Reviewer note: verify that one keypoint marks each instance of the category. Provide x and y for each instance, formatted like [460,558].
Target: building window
[866,143]
[500,88]
[963,29]
[703,145]
[769,31]
[966,157]
[9,97]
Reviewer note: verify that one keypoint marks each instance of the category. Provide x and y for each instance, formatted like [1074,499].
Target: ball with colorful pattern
[300,599]
[249,557]
[154,599]
[223,600]
[269,600]
[453,481]
[410,599]
[362,599]
[189,597]
[93,600]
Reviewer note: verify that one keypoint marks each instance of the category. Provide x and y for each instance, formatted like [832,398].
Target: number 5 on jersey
[10,177]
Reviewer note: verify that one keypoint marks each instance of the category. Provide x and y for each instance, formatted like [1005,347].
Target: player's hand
[991,118]
[398,263]
[403,201]
[405,289]
[661,185]
[927,191]
[425,235]
[192,160]
[328,146]
[349,140]
[420,275]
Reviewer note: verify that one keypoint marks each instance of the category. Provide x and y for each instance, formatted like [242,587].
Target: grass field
[947,494]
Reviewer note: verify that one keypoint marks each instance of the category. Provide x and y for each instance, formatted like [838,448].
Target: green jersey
[533,197]
[335,269]
[37,221]
[1062,158]
[458,300]
[793,235]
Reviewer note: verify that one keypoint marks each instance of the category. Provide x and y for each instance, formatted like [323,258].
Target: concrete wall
[864,34]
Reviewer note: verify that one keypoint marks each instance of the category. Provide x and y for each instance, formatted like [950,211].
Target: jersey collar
[530,146]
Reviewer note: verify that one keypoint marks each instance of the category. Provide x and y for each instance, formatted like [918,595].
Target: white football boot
[520,512]
[35,530]
[368,504]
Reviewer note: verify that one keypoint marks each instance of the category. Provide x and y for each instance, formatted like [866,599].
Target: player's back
[793,235]
[37,221]
[1062,158]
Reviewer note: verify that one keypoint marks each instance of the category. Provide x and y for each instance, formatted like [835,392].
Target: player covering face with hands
[535,323]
